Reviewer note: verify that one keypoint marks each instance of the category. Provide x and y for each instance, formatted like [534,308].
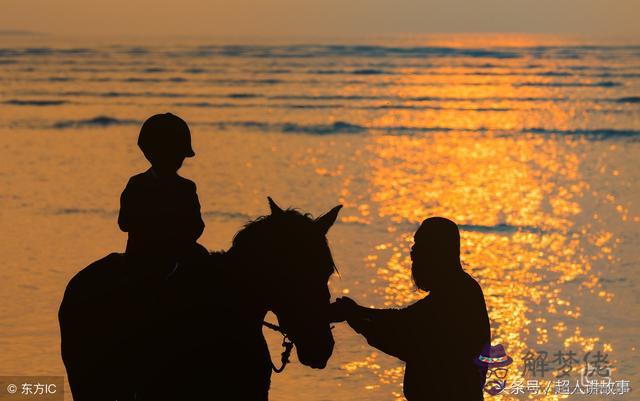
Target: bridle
[286,343]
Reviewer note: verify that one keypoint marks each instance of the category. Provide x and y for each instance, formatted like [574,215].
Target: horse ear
[275,209]
[325,221]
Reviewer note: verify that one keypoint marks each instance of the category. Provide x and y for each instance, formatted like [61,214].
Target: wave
[210,105]
[18,102]
[137,51]
[422,107]
[298,51]
[319,51]
[343,51]
[275,71]
[618,75]
[266,81]
[242,95]
[360,71]
[338,127]
[262,105]
[630,99]
[602,84]
[317,80]
[73,210]
[559,74]
[154,70]
[420,98]
[117,94]
[418,51]
[344,127]
[498,228]
[46,51]
[308,106]
[338,98]
[19,32]
[99,121]
[341,127]
[594,133]
[144,79]
[337,106]
[554,74]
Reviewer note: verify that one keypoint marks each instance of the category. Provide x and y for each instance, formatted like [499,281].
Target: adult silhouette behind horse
[196,333]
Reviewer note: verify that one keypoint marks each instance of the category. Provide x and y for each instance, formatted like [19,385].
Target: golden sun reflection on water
[549,221]
[513,200]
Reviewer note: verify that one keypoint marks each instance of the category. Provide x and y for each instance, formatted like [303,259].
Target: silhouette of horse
[195,333]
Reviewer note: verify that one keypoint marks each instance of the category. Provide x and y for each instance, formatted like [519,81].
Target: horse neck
[246,283]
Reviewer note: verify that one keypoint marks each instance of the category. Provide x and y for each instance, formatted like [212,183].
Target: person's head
[165,141]
[435,253]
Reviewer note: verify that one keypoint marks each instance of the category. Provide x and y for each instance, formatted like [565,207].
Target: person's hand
[336,313]
[342,309]
[347,303]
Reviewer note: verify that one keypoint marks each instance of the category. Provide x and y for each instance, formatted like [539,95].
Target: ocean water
[529,143]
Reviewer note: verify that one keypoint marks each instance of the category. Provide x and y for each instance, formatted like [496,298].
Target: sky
[319,18]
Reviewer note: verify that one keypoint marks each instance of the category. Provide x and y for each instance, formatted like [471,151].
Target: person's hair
[440,238]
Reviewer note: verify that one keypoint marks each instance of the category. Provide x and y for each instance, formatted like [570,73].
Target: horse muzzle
[315,354]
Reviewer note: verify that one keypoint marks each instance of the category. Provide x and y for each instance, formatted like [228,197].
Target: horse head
[291,263]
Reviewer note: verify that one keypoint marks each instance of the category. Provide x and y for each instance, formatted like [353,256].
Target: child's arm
[123,215]
[196,223]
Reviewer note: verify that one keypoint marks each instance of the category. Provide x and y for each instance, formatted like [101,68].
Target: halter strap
[286,343]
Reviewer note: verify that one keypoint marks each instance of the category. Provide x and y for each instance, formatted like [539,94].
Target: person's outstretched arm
[386,329]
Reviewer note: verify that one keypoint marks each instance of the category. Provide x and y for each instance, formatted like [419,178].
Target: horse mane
[290,224]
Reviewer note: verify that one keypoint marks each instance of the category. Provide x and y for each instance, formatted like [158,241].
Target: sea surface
[530,143]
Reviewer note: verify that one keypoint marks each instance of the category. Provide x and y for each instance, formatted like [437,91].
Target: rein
[286,343]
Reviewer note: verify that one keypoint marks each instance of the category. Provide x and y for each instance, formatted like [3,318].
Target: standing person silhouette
[439,336]
[159,209]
